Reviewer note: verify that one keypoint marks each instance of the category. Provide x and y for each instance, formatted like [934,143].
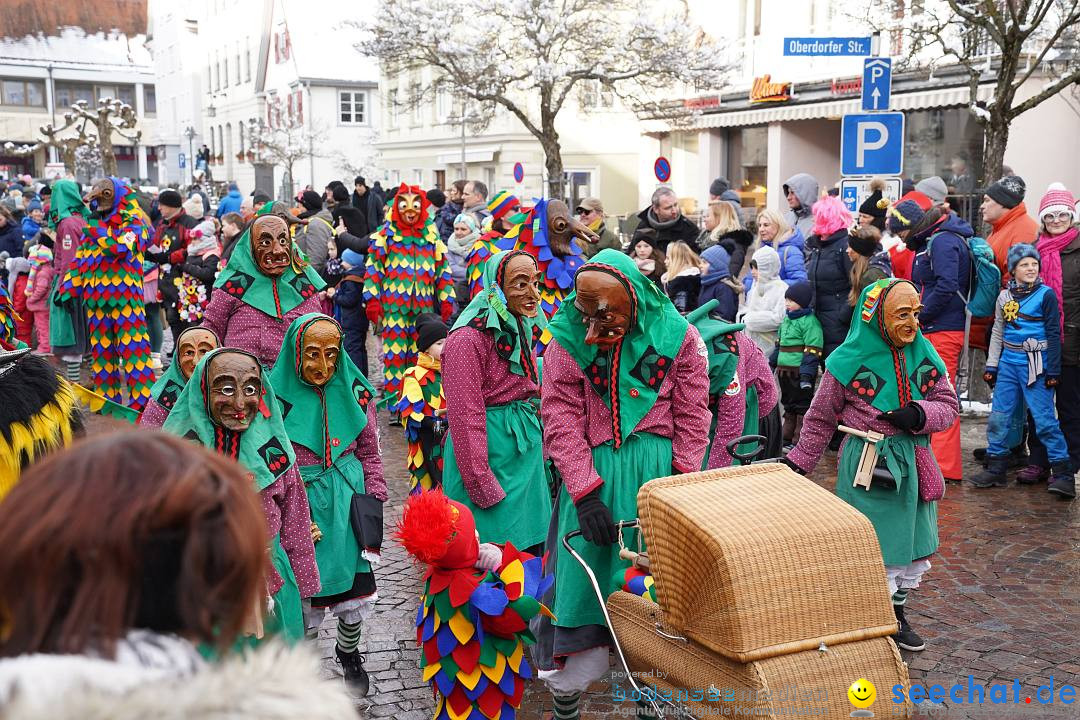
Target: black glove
[437,426]
[1052,382]
[595,521]
[909,418]
[793,466]
[990,378]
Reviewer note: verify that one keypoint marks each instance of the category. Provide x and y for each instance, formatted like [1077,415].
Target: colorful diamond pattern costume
[107,275]
[485,246]
[421,397]
[472,625]
[408,274]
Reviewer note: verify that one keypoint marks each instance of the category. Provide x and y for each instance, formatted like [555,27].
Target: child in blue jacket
[1023,365]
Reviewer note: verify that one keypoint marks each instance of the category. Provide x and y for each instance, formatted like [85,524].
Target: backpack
[984,278]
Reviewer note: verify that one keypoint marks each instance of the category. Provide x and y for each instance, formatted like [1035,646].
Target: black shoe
[993,475]
[356,677]
[979,454]
[1062,481]
[906,638]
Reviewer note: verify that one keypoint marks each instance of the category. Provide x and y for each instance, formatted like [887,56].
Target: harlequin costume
[252,311]
[741,386]
[107,276]
[610,419]
[494,455]
[167,389]
[502,205]
[866,378]
[422,407]
[472,624]
[264,449]
[335,436]
[408,274]
[530,233]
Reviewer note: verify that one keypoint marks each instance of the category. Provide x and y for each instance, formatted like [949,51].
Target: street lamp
[189,133]
[453,119]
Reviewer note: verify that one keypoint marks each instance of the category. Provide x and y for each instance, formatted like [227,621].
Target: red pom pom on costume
[426,526]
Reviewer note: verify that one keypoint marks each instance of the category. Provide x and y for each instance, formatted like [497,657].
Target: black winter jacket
[828,270]
[682,229]
[737,243]
[1070,295]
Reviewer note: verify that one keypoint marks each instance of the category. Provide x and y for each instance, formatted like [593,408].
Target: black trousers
[1067,400]
[795,400]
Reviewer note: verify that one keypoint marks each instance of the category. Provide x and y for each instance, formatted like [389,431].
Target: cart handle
[745,458]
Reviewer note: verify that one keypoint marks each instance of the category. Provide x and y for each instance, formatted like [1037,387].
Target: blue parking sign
[872,144]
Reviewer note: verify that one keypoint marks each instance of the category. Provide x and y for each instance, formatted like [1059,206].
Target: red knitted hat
[1057,199]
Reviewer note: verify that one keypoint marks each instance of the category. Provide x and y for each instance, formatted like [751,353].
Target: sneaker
[356,677]
[906,638]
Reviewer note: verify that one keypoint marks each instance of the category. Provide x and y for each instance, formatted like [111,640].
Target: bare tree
[284,146]
[528,56]
[1007,42]
[93,135]
[361,159]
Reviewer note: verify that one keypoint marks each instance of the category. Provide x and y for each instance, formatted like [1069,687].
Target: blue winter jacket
[444,219]
[792,254]
[940,272]
[11,239]
[713,286]
[230,203]
[29,230]
[348,299]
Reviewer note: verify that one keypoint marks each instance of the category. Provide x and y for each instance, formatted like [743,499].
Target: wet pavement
[1001,603]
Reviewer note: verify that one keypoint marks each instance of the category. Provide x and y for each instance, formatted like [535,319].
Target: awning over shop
[472,155]
[923,99]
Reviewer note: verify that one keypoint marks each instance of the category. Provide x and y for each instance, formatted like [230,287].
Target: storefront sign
[702,103]
[765,91]
[847,86]
[842,46]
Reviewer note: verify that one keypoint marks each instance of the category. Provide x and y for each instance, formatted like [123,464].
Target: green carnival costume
[264,449]
[513,433]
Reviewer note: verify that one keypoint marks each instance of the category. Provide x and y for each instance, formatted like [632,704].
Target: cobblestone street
[1001,602]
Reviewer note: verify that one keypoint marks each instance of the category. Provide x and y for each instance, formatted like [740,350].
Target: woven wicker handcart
[771,599]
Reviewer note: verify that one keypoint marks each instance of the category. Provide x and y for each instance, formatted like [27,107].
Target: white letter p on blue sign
[872,144]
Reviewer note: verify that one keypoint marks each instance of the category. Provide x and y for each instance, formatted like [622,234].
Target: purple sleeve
[296,533]
[730,420]
[562,408]
[819,423]
[368,452]
[754,370]
[217,313]
[690,404]
[153,415]
[940,405]
[463,388]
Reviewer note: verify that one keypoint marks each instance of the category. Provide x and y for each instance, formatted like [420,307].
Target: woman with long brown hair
[121,556]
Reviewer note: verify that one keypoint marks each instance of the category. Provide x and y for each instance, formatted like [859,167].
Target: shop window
[747,164]
[946,142]
[352,107]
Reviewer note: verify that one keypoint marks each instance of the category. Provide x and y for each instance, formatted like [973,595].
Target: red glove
[446,310]
[177,256]
[374,311]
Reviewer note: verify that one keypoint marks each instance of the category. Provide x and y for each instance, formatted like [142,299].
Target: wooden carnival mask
[605,308]
[234,380]
[271,245]
[409,210]
[900,314]
[319,352]
[562,227]
[101,197]
[520,282]
[193,344]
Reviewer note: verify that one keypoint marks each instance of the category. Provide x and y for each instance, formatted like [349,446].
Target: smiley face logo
[862,694]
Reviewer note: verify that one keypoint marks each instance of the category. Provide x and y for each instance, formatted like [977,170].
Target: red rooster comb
[426,526]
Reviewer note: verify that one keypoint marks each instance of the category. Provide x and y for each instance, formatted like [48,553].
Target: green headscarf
[66,199]
[242,278]
[265,449]
[720,341]
[324,420]
[867,363]
[644,356]
[168,387]
[514,336]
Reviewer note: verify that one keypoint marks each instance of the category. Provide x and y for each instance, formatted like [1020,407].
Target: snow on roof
[322,42]
[76,48]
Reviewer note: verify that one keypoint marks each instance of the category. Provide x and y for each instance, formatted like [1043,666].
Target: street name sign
[835,46]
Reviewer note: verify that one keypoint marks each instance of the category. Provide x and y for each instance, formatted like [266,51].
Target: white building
[757,143]
[422,144]
[230,63]
[172,38]
[42,75]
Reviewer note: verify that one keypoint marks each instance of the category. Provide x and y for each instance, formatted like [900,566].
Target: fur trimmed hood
[272,682]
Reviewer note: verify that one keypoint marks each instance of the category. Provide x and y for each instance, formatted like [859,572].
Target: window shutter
[300,107]
[277,51]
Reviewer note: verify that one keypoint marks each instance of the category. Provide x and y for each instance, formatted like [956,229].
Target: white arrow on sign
[877,96]
[862,144]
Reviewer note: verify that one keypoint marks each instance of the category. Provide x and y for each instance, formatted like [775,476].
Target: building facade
[274,69]
[778,115]
[424,143]
[42,76]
